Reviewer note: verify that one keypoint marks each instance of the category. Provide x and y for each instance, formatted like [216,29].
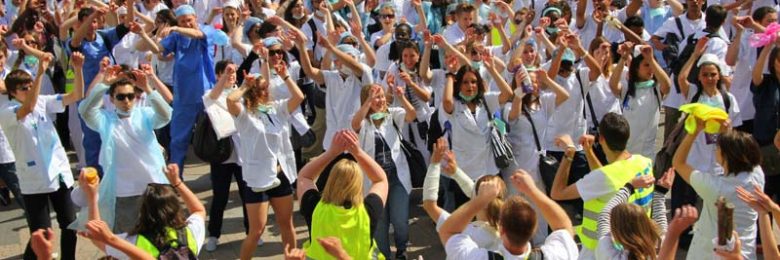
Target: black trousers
[37,207]
[221,177]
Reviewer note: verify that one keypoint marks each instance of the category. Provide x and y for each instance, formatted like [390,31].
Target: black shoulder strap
[314,35]
[533,128]
[181,237]
[678,21]
[723,93]
[582,90]
[109,46]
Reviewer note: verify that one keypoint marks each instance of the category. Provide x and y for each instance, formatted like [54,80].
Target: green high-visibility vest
[617,175]
[352,226]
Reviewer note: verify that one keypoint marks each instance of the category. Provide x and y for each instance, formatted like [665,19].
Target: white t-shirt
[710,186]
[421,107]
[522,136]
[265,143]
[605,250]
[558,245]
[195,223]
[588,31]
[702,155]
[6,154]
[34,141]
[152,13]
[453,34]
[602,100]
[342,100]
[643,114]
[743,77]
[125,52]
[675,99]
[568,118]
[470,137]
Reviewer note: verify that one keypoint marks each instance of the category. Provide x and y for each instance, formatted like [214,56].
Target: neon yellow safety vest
[617,175]
[352,226]
[144,244]
[497,37]
[69,77]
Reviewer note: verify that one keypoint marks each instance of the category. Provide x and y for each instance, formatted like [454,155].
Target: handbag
[548,165]
[415,159]
[500,146]
[205,143]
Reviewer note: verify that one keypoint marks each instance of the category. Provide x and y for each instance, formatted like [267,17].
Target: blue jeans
[8,175]
[396,213]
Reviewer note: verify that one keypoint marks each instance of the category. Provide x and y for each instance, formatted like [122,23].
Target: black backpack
[205,144]
[685,54]
[180,251]
[672,52]
[536,254]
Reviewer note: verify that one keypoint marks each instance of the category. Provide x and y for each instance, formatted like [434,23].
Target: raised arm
[758,70]
[624,50]
[411,113]
[364,45]
[370,168]
[190,200]
[222,83]
[580,14]
[162,110]
[146,43]
[684,217]
[421,92]
[314,73]
[234,98]
[28,105]
[680,160]
[503,87]
[164,91]
[448,100]
[560,190]
[457,222]
[296,95]
[345,59]
[431,184]
[442,43]
[732,55]
[576,45]
[552,212]
[77,60]
[682,79]
[425,63]
[81,32]
[663,79]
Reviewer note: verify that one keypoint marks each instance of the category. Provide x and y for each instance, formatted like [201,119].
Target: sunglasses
[387,16]
[350,43]
[122,97]
[275,52]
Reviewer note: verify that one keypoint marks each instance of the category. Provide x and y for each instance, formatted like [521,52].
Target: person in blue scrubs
[96,44]
[193,73]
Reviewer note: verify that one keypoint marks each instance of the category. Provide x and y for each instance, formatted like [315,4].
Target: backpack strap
[109,46]
[678,21]
[723,93]
[314,35]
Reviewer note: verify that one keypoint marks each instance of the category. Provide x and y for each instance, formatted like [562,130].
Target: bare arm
[680,160]
[81,32]
[614,80]
[311,71]
[633,7]
[425,71]
[552,212]
[28,105]
[190,200]
[233,104]
[459,219]
[758,70]
[296,95]
[312,170]
[677,7]
[560,190]
[580,15]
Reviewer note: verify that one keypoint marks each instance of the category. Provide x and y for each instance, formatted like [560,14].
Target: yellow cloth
[712,116]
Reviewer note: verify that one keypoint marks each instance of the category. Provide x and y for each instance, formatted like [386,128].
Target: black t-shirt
[372,202]
[766,99]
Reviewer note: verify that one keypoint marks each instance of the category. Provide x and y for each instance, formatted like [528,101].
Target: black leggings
[38,218]
[221,177]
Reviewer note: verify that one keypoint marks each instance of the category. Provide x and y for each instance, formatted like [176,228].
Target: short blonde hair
[344,185]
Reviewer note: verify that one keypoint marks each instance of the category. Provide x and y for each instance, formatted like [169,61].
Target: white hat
[121,10]
[232,3]
[711,59]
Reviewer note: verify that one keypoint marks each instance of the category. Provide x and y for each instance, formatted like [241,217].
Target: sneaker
[211,244]
[275,183]
[260,242]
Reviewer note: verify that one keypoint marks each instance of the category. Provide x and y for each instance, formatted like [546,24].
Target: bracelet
[286,77]
[177,185]
[450,74]
[571,159]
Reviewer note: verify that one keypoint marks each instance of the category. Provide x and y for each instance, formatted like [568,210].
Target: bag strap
[108,45]
[678,21]
[582,90]
[181,237]
[533,128]
[314,35]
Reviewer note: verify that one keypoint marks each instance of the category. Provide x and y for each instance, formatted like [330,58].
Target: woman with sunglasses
[41,163]
[127,132]
[268,162]
[387,20]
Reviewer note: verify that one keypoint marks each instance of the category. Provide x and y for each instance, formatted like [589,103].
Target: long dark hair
[403,45]
[773,55]
[288,16]
[459,80]
[529,99]
[633,75]
[160,209]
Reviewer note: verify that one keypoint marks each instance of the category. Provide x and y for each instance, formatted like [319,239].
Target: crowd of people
[543,115]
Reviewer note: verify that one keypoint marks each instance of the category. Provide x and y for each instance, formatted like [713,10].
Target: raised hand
[667,180]
[587,141]
[172,173]
[294,254]
[523,182]
[488,190]
[281,69]
[41,242]
[450,165]
[564,141]
[644,181]
[333,246]
[439,148]
[77,60]
[701,45]
[646,51]
[684,217]
[405,77]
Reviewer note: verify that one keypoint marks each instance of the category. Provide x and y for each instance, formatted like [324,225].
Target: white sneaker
[211,244]
[275,183]
[260,242]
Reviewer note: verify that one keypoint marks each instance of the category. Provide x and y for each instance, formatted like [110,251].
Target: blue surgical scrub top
[94,51]
[193,70]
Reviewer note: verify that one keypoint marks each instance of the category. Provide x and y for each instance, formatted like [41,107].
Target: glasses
[387,16]
[122,97]
[275,52]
